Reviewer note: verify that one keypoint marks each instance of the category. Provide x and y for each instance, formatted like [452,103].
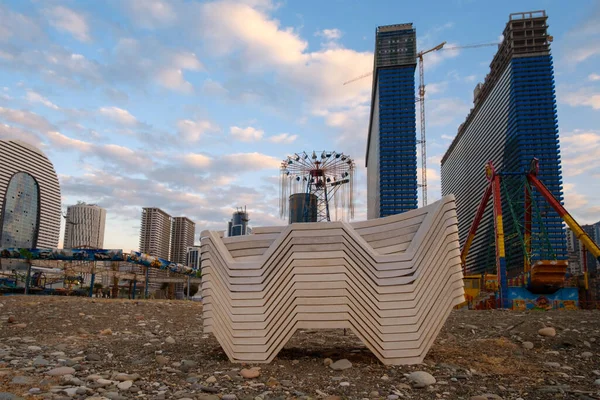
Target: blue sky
[190,106]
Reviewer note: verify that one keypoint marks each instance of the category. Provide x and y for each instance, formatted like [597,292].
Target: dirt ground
[118,349]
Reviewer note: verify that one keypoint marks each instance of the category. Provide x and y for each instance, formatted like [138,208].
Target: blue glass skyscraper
[512,121]
[392,143]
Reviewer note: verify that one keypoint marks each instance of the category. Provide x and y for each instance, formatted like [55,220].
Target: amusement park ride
[326,180]
[542,273]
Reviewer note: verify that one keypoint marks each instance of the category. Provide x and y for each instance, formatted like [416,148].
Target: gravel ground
[80,348]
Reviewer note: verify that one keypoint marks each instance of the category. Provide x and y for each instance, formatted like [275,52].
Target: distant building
[392,142]
[513,120]
[192,258]
[573,252]
[590,262]
[30,202]
[84,226]
[155,232]
[239,223]
[182,236]
[580,259]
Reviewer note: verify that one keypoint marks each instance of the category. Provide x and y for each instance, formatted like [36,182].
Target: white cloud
[434,58]
[119,115]
[230,26]
[283,138]
[61,142]
[445,111]
[582,97]
[436,88]
[11,132]
[329,34]
[26,119]
[35,97]
[186,60]
[580,152]
[171,76]
[251,161]
[173,79]
[151,13]
[192,131]
[197,160]
[65,19]
[594,77]
[214,88]
[248,134]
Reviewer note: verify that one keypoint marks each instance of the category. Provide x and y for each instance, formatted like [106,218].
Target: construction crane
[422,107]
[421,100]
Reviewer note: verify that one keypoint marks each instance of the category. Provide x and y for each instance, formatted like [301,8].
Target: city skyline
[179,106]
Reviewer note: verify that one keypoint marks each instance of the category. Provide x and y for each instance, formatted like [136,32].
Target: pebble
[229,397]
[162,360]
[34,348]
[586,354]
[250,373]
[211,379]
[125,385]
[341,365]
[272,382]
[40,362]
[106,332]
[393,397]
[327,362]
[548,331]
[344,384]
[60,371]
[21,380]
[421,379]
[170,340]
[552,364]
[126,377]
[528,345]
[9,396]
[486,396]
[93,357]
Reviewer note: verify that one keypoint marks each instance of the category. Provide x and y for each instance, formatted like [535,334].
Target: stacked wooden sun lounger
[392,280]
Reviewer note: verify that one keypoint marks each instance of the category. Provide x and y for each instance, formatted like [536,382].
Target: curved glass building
[30,202]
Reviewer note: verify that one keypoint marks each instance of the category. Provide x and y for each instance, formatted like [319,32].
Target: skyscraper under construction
[392,143]
[513,120]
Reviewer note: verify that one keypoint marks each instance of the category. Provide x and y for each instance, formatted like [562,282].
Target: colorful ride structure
[541,284]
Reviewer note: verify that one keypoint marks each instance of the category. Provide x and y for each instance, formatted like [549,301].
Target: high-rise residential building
[513,120]
[588,260]
[84,226]
[239,223]
[193,257]
[581,259]
[155,232]
[573,252]
[30,202]
[392,143]
[182,236]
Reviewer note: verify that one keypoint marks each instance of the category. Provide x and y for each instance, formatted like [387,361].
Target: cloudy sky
[190,106]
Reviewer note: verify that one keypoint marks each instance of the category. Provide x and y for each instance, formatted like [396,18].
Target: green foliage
[25,253]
